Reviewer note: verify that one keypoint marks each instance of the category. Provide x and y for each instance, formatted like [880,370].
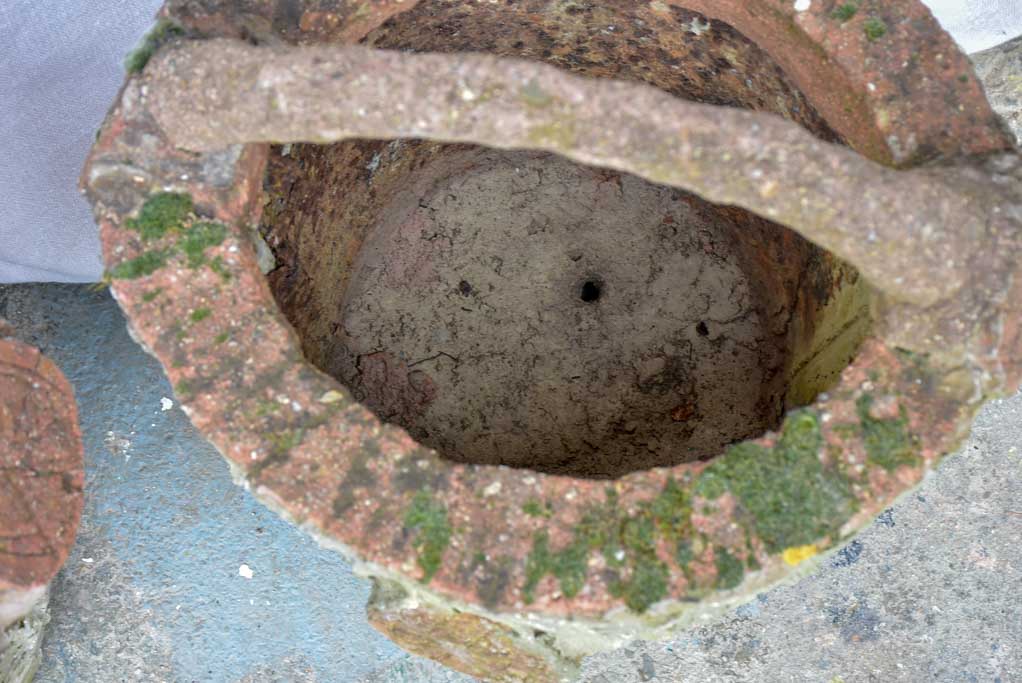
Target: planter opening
[516,308]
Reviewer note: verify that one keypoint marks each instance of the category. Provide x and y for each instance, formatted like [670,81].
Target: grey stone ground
[152,590]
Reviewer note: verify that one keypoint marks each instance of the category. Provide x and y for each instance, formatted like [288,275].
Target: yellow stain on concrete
[798,554]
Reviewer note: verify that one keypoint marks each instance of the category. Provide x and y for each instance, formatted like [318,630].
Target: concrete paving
[154,589]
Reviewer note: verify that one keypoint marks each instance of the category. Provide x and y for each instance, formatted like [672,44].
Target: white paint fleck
[166,404]
[245,571]
[492,490]
[467,94]
[88,560]
[872,87]
[802,5]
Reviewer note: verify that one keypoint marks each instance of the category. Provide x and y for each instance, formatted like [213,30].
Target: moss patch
[846,11]
[160,214]
[729,568]
[200,314]
[888,442]
[875,29]
[200,236]
[790,498]
[283,441]
[534,508]
[157,36]
[428,518]
[171,215]
[627,542]
[647,585]
[144,264]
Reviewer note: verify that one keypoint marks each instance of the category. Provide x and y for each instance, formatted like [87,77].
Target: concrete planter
[664,351]
[41,479]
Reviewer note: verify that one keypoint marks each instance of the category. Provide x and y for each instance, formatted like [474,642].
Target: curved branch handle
[896,227]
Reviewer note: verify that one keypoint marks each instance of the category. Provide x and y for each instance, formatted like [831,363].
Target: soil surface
[537,313]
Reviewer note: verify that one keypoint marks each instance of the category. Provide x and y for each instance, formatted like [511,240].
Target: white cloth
[61,63]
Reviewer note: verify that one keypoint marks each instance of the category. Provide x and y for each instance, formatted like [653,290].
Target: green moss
[428,518]
[146,263]
[683,553]
[198,238]
[283,441]
[537,564]
[157,36]
[790,498]
[183,388]
[752,563]
[647,585]
[729,568]
[637,534]
[160,214]
[672,511]
[150,296]
[200,314]
[218,266]
[712,484]
[916,369]
[172,213]
[846,11]
[266,407]
[628,542]
[534,508]
[568,565]
[888,442]
[875,29]
[221,338]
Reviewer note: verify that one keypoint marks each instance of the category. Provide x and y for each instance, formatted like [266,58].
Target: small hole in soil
[702,329]
[591,291]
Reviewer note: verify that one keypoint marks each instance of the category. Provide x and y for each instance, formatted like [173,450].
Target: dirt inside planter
[513,307]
